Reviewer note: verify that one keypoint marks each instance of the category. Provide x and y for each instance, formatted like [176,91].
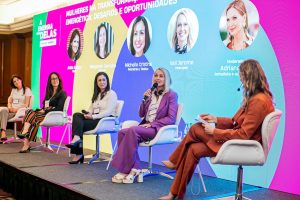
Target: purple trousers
[126,156]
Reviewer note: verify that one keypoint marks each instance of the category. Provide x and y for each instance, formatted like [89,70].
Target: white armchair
[18,118]
[106,125]
[55,118]
[166,135]
[248,152]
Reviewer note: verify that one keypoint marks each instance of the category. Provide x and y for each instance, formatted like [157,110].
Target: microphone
[154,86]
[239,88]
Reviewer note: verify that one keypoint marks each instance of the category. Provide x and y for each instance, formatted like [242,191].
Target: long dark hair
[49,88]
[70,50]
[147,35]
[13,85]
[106,42]
[97,90]
[254,78]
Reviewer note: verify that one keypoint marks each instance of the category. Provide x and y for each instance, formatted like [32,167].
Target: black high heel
[25,150]
[80,160]
[75,144]
[22,136]
[2,140]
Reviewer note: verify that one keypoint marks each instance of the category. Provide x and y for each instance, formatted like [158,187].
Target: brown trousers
[34,119]
[186,157]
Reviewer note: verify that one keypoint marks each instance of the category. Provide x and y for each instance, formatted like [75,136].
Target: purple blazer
[166,112]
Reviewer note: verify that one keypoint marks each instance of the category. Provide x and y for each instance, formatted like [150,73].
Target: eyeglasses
[54,79]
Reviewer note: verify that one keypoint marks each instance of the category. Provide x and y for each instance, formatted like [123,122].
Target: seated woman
[54,101]
[203,140]
[103,104]
[158,110]
[19,98]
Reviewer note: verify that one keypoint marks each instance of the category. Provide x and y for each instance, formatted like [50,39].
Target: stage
[45,175]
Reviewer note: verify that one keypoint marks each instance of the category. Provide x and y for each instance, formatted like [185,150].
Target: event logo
[47,34]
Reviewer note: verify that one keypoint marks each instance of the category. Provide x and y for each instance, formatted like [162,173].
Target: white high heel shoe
[134,174]
[118,178]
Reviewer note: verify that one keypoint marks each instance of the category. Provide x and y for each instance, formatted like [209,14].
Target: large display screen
[201,43]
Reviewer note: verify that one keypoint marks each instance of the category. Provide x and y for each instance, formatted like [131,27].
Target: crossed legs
[186,157]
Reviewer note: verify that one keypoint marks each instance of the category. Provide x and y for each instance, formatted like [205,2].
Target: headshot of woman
[139,36]
[104,102]
[103,40]
[19,98]
[158,110]
[183,30]
[204,140]
[237,25]
[54,101]
[74,46]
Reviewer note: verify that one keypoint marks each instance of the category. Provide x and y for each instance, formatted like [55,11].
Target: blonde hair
[168,80]
[185,13]
[239,5]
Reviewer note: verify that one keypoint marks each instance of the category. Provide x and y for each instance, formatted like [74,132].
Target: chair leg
[47,138]
[110,159]
[69,136]
[48,145]
[38,146]
[15,130]
[150,159]
[62,137]
[198,185]
[239,187]
[150,170]
[201,178]
[15,137]
[97,154]
[47,142]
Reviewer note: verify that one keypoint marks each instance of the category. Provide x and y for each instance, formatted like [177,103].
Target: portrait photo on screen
[75,44]
[183,30]
[239,24]
[139,36]
[103,40]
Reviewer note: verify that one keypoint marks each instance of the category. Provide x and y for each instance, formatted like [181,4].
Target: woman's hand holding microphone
[147,94]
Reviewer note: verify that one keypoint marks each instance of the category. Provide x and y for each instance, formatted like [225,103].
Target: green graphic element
[36,58]
[36,61]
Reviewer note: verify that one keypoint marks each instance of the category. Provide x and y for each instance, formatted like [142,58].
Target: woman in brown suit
[203,140]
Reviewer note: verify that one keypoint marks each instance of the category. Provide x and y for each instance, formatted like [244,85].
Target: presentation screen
[201,44]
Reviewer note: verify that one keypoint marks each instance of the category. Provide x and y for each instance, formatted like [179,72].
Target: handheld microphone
[239,88]
[154,86]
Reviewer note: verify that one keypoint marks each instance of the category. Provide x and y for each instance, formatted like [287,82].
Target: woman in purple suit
[158,110]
